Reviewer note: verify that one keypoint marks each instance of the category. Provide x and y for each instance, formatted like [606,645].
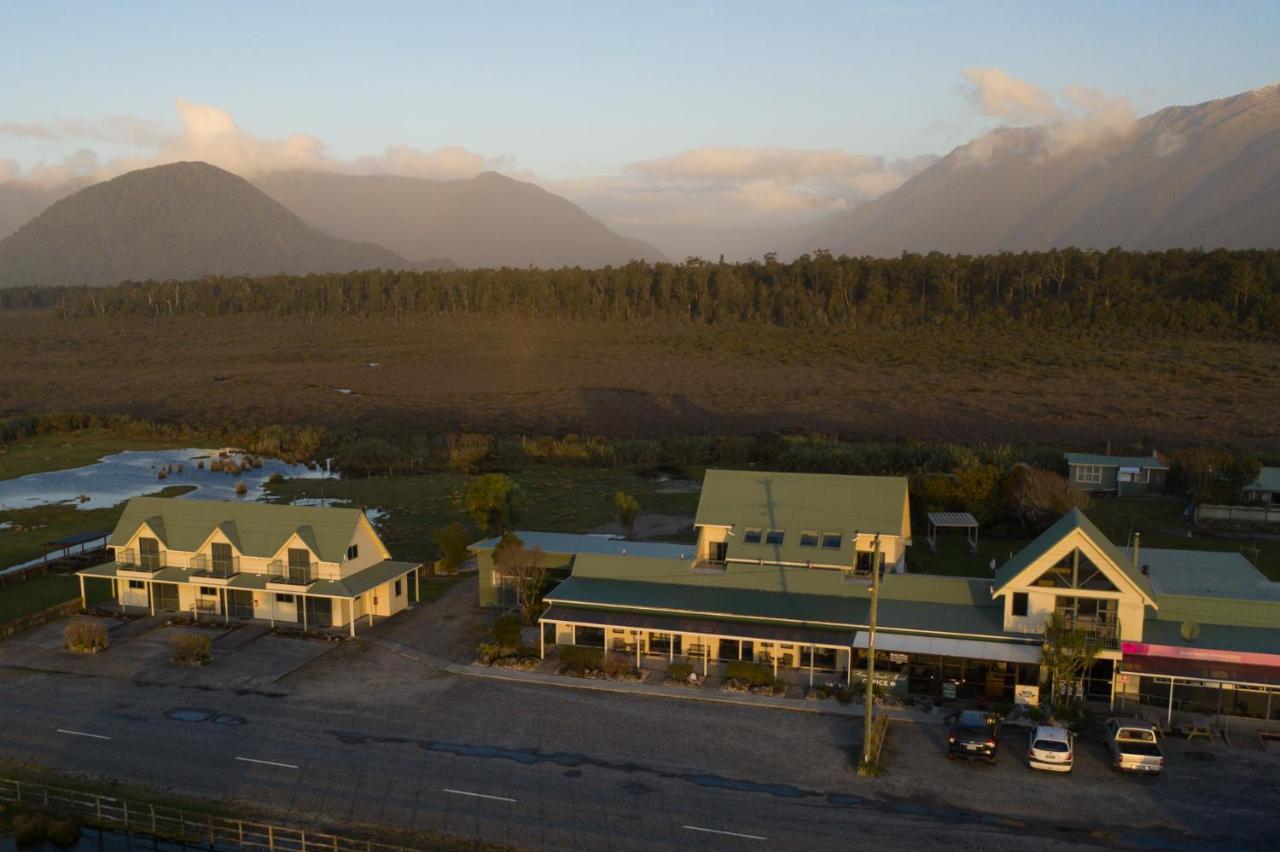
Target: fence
[1237,514]
[212,832]
[35,619]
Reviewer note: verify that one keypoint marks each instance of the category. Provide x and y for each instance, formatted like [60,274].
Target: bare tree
[523,567]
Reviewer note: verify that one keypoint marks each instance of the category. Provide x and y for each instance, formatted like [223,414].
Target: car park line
[267,762]
[478,795]
[82,734]
[725,833]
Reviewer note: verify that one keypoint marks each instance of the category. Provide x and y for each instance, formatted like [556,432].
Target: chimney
[1137,542]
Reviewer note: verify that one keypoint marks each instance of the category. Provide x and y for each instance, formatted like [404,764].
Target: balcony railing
[280,571]
[1105,633]
[132,560]
[710,566]
[202,565]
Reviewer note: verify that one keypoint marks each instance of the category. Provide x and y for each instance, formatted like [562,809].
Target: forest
[1220,292]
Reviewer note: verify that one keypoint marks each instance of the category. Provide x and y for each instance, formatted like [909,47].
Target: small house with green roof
[304,566]
[1266,488]
[1124,476]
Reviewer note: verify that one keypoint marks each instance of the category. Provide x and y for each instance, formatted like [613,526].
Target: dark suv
[973,735]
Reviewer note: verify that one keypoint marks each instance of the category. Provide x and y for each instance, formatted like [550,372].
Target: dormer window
[831,541]
[808,539]
[752,536]
[1019,606]
[773,537]
[353,551]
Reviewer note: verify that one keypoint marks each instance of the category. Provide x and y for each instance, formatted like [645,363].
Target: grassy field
[38,593]
[42,453]
[1159,521]
[433,588]
[553,499]
[647,379]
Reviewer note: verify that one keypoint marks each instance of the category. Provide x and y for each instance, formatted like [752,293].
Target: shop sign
[948,689]
[895,657]
[1026,695]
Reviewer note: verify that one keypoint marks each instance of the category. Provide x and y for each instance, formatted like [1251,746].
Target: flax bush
[191,650]
[85,637]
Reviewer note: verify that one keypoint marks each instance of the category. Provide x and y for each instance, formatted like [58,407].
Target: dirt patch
[650,525]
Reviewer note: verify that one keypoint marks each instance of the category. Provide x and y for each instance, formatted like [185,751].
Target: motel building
[781,575]
[301,567]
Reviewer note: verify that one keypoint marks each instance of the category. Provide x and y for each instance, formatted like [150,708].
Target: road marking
[726,833]
[407,657]
[267,762]
[82,734]
[478,795]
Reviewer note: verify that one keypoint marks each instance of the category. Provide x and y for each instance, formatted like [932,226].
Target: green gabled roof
[1150,461]
[1070,522]
[233,535]
[261,528]
[361,581]
[1225,637]
[1268,480]
[802,502]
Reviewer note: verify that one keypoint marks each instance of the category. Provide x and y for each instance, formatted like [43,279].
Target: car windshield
[971,719]
[1051,745]
[1137,734]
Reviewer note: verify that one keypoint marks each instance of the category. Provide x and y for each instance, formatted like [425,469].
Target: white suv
[1050,748]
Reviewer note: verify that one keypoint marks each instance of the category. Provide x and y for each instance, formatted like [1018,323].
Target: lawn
[31,528]
[552,499]
[433,588]
[954,558]
[39,593]
[66,450]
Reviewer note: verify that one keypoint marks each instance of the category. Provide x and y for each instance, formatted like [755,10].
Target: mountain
[183,220]
[486,221]
[1206,175]
[20,201]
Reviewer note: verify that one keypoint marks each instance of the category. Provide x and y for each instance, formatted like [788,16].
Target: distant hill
[486,221]
[181,221]
[1206,175]
[20,201]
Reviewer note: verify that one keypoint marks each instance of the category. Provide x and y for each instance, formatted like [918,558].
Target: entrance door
[165,596]
[239,603]
[319,611]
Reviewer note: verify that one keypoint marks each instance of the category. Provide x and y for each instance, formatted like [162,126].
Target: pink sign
[1209,655]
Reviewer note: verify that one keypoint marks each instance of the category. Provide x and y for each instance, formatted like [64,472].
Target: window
[831,541]
[751,536]
[149,553]
[808,539]
[1019,604]
[284,599]
[1091,473]
[208,592]
[862,564]
[137,584]
[773,537]
[221,552]
[353,551]
[398,588]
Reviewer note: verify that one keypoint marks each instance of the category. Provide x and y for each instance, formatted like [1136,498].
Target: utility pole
[871,647]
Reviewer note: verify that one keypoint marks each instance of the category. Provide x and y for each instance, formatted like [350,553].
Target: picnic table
[1198,726]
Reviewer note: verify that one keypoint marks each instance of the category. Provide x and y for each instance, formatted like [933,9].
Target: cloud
[210,134]
[732,184]
[1078,115]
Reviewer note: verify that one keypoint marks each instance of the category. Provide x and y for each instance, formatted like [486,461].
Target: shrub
[190,650]
[753,674]
[29,828]
[679,672]
[488,652]
[578,659]
[241,488]
[85,637]
[63,831]
[845,696]
[616,665]
[506,630]
[452,541]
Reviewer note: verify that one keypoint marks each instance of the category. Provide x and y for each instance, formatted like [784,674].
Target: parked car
[1051,748]
[1135,746]
[973,735]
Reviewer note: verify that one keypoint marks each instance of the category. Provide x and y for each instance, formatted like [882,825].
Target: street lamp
[871,643]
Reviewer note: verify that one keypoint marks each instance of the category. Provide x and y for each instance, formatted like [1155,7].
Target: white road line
[408,657]
[267,762]
[82,734]
[478,795]
[726,833]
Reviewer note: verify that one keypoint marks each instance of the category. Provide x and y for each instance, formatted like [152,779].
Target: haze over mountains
[1196,176]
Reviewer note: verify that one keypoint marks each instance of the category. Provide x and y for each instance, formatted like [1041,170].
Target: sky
[656,116]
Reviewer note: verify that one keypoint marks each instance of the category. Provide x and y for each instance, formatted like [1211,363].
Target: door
[239,603]
[165,596]
[319,611]
[149,553]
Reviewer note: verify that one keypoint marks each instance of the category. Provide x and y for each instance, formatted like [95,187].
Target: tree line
[1220,291]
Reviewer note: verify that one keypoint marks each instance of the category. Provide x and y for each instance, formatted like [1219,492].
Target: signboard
[897,658]
[948,689]
[1026,696]
[1210,655]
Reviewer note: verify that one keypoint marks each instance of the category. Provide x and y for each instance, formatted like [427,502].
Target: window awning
[971,649]
[785,633]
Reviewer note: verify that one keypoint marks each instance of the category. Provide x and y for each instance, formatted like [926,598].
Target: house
[1266,488]
[305,566]
[1162,621]
[1124,476]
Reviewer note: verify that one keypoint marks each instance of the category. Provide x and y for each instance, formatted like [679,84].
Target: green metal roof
[1161,631]
[1268,480]
[964,619]
[1117,461]
[1070,522]
[1219,610]
[802,502]
[1207,574]
[260,529]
